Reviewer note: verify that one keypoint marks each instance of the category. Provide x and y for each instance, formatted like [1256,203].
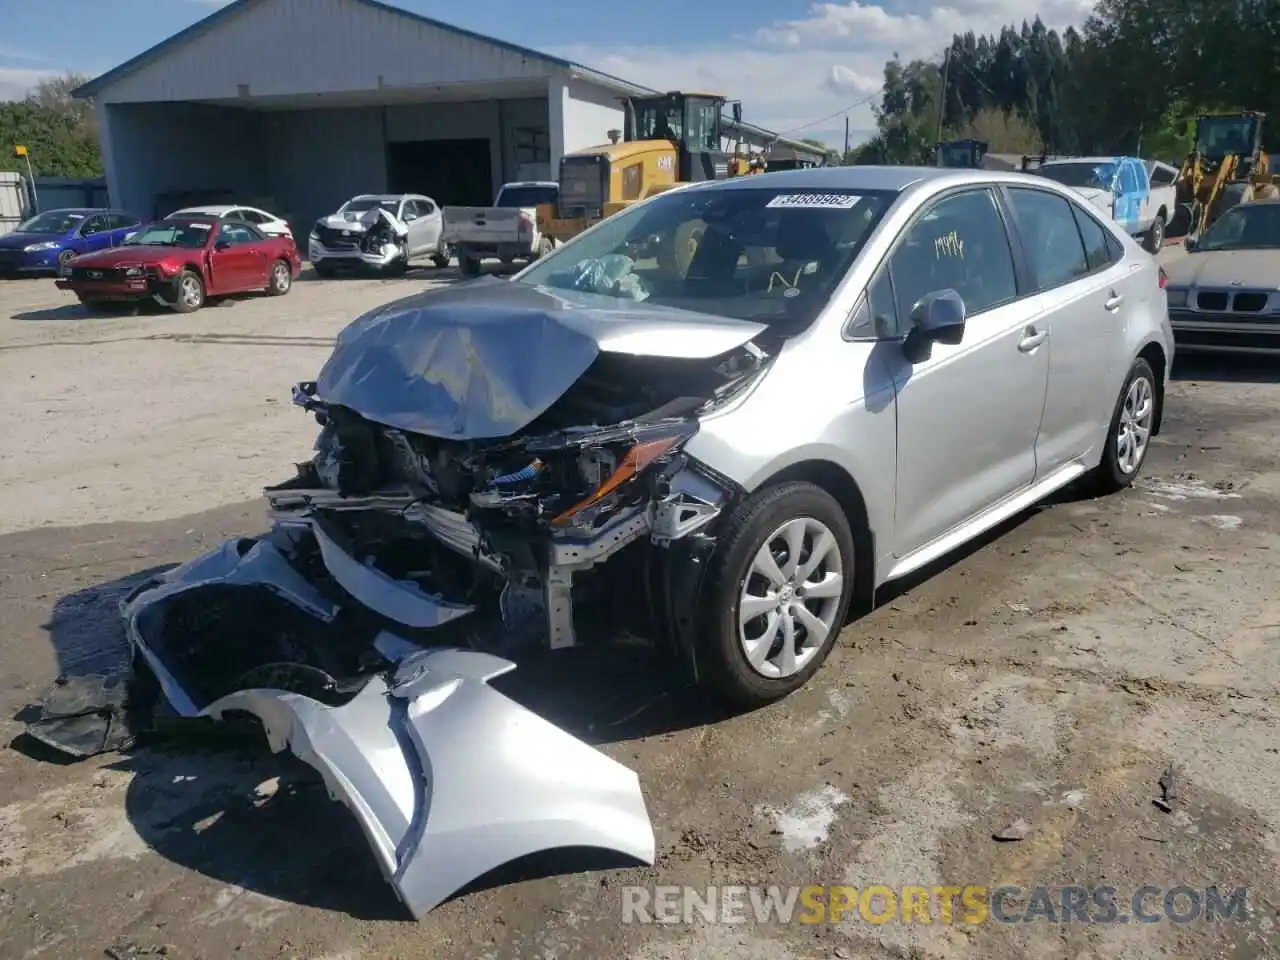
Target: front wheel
[1129,436]
[190,290]
[441,257]
[281,279]
[779,590]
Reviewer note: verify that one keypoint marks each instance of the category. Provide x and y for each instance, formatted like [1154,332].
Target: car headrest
[802,235]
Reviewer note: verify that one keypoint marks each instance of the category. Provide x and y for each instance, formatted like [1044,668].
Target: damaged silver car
[713,420]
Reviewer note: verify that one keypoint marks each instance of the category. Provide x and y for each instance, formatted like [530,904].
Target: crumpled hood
[19,240]
[483,359]
[361,221]
[1252,268]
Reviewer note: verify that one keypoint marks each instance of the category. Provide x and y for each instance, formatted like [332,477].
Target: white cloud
[794,73]
[17,82]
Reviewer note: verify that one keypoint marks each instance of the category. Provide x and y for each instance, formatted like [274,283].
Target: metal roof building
[297,105]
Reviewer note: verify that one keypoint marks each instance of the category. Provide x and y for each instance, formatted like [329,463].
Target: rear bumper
[515,250]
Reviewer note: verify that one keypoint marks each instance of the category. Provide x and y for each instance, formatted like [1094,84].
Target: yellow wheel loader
[670,139]
[1226,167]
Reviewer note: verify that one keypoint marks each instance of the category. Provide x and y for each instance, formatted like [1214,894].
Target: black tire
[441,259]
[745,531]
[400,264]
[470,266]
[1110,476]
[280,280]
[322,269]
[1153,239]
[189,292]
[64,261]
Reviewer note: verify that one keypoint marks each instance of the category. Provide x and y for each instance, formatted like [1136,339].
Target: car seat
[805,247]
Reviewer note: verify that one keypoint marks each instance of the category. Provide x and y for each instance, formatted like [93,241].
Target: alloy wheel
[1134,429]
[790,597]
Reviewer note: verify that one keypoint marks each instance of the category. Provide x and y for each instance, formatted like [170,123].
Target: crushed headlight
[1177,298]
[641,455]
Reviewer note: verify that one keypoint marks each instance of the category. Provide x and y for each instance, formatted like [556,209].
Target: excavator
[670,139]
[960,154]
[1226,167]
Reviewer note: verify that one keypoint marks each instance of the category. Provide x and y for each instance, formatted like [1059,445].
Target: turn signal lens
[1164,278]
[636,461]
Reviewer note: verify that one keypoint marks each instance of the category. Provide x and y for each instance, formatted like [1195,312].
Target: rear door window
[1101,248]
[959,243]
[1050,238]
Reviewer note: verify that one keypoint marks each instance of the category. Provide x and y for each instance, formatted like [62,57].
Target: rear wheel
[1153,239]
[281,279]
[779,590]
[190,290]
[1129,436]
[441,257]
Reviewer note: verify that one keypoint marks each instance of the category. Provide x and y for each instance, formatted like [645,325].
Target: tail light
[1163,277]
[526,222]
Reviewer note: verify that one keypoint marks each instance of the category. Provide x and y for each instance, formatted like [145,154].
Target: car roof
[887,178]
[85,210]
[531,183]
[211,209]
[191,218]
[1058,160]
[381,196]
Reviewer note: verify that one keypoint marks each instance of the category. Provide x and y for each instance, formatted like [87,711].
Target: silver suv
[378,232]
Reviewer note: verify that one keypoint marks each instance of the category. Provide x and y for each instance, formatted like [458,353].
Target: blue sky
[794,64]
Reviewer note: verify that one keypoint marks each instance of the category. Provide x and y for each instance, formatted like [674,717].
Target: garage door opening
[456,172]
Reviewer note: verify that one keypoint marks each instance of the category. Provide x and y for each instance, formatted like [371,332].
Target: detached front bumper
[447,777]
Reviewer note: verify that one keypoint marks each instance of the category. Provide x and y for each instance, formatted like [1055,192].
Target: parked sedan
[268,223]
[857,370]
[49,241]
[180,262]
[1224,296]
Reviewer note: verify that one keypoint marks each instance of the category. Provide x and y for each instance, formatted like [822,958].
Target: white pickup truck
[509,230]
[1139,196]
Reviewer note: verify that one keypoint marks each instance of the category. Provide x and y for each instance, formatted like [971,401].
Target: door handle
[1031,339]
[1113,304]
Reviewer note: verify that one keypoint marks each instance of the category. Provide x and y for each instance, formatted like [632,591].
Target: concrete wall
[579,115]
[154,148]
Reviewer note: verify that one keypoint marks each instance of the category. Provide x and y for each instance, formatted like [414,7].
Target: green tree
[59,132]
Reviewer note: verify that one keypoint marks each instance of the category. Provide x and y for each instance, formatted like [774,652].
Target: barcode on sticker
[828,201]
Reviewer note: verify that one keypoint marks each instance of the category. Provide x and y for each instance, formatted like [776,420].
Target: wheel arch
[1154,354]
[840,484]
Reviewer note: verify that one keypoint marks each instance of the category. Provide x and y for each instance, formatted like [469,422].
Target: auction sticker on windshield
[830,201]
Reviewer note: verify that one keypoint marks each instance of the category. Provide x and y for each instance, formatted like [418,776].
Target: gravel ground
[1052,674]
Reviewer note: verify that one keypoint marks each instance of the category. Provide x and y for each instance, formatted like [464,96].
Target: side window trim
[1114,248]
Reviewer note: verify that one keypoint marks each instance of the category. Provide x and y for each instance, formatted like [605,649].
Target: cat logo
[948,245]
[665,164]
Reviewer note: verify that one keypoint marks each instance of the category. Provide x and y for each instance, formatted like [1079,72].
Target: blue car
[46,242]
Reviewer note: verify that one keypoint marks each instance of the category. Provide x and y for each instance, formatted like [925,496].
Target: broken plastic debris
[1168,789]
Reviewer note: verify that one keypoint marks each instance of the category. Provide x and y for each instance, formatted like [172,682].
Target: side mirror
[936,318]
[222,245]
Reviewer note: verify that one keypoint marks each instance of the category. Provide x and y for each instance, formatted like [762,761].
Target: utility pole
[21,151]
[844,157]
[942,101]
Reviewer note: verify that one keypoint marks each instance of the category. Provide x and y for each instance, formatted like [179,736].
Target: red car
[181,262]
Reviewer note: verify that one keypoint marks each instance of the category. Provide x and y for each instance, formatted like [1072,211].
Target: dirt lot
[1050,674]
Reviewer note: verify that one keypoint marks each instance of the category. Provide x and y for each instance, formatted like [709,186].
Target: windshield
[530,196]
[1073,174]
[1247,227]
[55,221]
[368,203]
[769,255]
[958,155]
[1218,136]
[189,235]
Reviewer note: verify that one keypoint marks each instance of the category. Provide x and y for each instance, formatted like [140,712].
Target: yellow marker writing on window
[789,284]
[949,245]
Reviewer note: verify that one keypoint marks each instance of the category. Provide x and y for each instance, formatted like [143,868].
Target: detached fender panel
[450,779]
